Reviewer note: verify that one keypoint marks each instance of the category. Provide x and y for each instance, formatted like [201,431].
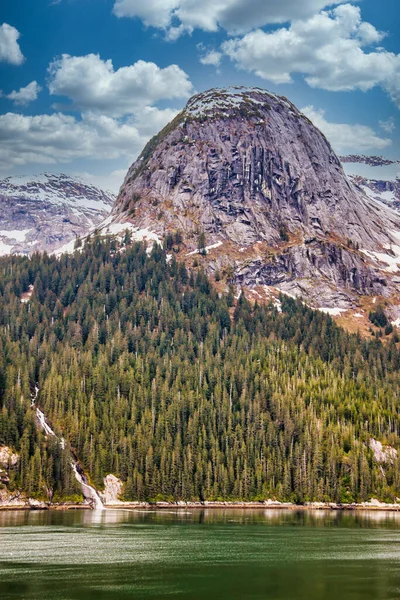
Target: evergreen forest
[149,374]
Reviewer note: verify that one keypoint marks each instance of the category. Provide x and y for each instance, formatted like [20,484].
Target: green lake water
[193,555]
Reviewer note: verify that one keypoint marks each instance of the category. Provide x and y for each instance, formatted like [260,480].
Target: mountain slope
[146,372]
[48,212]
[246,169]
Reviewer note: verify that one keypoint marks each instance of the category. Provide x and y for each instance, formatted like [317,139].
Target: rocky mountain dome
[48,212]
[245,174]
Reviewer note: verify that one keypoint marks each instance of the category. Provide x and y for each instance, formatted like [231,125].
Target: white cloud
[106,181]
[151,120]
[26,94]
[59,138]
[346,139]
[212,57]
[389,126]
[93,85]
[328,49]
[157,13]
[235,16]
[10,51]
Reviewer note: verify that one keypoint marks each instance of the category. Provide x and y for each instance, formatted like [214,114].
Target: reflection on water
[213,554]
[87,518]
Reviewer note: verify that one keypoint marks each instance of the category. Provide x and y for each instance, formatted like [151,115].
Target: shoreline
[374,506]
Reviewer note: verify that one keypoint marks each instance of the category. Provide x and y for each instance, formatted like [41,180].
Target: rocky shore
[19,503]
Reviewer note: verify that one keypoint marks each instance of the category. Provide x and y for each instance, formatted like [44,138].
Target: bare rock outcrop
[382,454]
[112,489]
[250,171]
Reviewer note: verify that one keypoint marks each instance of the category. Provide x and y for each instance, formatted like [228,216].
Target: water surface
[193,555]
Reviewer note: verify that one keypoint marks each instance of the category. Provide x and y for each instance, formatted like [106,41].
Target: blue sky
[85,83]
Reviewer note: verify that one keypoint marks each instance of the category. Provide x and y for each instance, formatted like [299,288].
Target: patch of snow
[138,235]
[66,249]
[392,262]
[5,248]
[358,315]
[16,234]
[106,222]
[117,228]
[207,248]
[396,323]
[395,234]
[388,196]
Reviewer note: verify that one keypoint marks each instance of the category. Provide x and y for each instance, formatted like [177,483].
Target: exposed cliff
[252,173]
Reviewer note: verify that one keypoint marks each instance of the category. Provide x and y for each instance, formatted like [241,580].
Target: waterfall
[87,490]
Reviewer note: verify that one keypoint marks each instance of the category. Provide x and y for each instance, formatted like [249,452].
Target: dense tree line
[148,374]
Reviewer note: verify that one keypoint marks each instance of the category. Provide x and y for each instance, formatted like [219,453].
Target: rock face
[112,489]
[48,212]
[8,460]
[12,499]
[253,174]
[382,454]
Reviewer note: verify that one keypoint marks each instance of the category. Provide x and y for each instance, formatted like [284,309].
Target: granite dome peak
[248,170]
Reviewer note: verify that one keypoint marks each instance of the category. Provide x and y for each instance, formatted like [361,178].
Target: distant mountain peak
[48,211]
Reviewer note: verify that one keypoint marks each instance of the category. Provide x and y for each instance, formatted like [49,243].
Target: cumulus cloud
[328,49]
[235,16]
[346,138]
[157,13]
[212,57]
[26,94]
[60,138]
[10,51]
[92,84]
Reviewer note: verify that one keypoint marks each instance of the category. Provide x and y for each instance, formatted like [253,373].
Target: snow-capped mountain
[375,176]
[48,212]
[384,191]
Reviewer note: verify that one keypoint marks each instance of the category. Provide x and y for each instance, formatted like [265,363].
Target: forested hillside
[148,374]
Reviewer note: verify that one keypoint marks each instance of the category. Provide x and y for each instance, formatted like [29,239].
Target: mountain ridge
[48,212]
